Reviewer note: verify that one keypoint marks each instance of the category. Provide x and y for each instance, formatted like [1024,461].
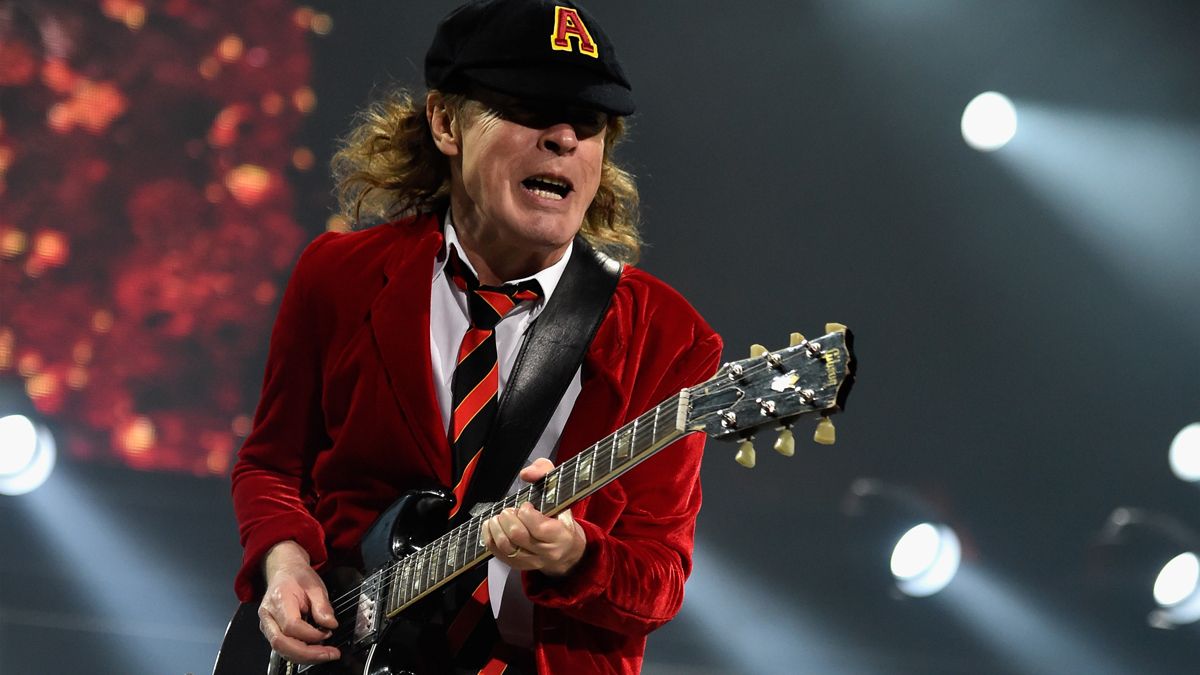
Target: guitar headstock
[773,389]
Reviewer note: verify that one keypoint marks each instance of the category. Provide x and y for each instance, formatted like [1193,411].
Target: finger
[292,648]
[485,534]
[297,627]
[540,467]
[566,543]
[568,521]
[540,529]
[507,531]
[501,543]
[488,532]
[572,528]
[499,549]
[286,608]
[514,526]
[318,601]
[548,531]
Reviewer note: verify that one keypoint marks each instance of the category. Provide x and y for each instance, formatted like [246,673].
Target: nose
[559,139]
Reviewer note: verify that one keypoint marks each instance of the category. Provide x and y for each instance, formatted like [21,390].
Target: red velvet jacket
[348,421]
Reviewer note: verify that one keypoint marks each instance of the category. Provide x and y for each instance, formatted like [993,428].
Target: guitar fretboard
[460,549]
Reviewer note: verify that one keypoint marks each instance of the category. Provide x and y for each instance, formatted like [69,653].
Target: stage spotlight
[27,454]
[989,121]
[1177,581]
[1184,454]
[27,450]
[889,520]
[925,559]
[18,443]
[1149,561]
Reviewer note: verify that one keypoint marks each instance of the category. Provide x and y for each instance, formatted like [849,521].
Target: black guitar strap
[553,349]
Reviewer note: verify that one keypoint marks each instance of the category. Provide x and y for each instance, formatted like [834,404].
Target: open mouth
[547,187]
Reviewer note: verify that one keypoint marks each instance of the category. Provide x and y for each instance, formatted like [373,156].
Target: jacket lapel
[400,322]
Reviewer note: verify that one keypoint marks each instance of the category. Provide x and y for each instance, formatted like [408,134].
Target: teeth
[547,187]
[545,193]
[553,181]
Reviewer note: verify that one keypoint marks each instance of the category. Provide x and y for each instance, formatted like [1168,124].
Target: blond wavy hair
[388,167]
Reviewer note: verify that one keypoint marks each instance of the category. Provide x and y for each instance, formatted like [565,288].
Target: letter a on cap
[567,25]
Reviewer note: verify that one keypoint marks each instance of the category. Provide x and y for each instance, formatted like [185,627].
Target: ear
[442,124]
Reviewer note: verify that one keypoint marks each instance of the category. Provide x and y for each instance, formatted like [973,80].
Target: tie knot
[488,304]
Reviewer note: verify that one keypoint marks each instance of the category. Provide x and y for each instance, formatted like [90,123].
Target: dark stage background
[1026,320]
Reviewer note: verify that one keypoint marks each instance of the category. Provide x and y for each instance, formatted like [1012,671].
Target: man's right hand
[293,591]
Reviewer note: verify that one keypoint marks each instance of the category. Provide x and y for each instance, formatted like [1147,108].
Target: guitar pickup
[366,614]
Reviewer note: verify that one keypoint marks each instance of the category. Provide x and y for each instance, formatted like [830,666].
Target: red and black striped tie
[476,380]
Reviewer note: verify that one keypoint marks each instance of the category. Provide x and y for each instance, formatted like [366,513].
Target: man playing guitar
[396,346]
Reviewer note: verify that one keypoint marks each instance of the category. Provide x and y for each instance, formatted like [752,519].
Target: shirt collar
[547,278]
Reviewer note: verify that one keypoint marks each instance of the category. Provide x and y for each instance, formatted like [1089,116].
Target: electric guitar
[383,612]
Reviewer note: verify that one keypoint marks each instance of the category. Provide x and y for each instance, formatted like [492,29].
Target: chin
[549,231]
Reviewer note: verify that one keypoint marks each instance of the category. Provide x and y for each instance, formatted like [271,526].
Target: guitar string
[621,435]
[568,467]
[343,634]
[718,384]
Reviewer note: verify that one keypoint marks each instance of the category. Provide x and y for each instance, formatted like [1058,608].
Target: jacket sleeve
[270,490]
[631,577]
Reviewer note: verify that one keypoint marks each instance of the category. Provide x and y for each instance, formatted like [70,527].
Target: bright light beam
[113,568]
[1034,638]
[759,631]
[1126,186]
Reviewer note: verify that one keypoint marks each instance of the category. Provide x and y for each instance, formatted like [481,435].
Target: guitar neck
[459,550]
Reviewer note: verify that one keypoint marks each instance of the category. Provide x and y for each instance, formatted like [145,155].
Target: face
[522,175]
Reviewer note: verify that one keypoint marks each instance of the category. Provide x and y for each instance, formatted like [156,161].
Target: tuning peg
[825,433]
[835,328]
[757,351]
[745,454]
[796,339]
[785,444]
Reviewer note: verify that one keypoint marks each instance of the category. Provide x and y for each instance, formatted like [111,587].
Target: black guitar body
[417,518]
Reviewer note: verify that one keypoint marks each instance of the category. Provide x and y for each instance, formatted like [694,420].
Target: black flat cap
[541,50]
